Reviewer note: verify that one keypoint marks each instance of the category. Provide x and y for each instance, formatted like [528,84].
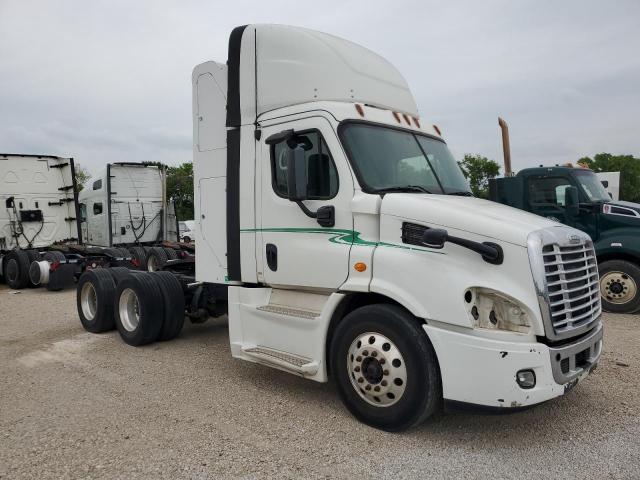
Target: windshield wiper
[403,188]
[461,193]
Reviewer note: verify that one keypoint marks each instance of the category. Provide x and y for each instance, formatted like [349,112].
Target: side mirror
[572,204]
[296,174]
[605,183]
[434,238]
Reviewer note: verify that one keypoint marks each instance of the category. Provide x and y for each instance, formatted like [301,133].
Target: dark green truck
[576,197]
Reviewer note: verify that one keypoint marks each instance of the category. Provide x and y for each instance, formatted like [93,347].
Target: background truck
[125,210]
[38,212]
[336,230]
[577,197]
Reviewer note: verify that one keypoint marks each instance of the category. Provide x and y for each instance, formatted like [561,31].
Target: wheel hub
[377,369]
[618,287]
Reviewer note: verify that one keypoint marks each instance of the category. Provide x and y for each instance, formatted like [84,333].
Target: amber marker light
[435,127]
[360,267]
[360,109]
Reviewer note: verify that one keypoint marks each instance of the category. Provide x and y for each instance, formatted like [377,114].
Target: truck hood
[470,214]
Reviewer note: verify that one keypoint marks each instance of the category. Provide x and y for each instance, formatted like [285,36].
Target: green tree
[82,176]
[627,165]
[478,170]
[180,189]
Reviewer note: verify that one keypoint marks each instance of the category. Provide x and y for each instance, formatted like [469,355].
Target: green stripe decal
[339,236]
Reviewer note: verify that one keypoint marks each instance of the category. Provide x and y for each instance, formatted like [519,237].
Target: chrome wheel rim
[618,287]
[89,301]
[129,310]
[376,369]
[152,263]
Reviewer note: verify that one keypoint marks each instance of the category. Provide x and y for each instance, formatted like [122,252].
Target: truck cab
[350,244]
[125,204]
[576,197]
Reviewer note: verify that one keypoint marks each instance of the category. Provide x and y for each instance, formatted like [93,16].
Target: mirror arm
[325,216]
[491,252]
[306,211]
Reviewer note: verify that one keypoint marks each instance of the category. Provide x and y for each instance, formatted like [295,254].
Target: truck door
[296,249]
[546,197]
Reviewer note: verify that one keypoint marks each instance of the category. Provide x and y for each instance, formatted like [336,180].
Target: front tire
[385,367]
[620,286]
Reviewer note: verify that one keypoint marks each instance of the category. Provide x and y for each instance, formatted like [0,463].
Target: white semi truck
[125,210]
[38,213]
[47,237]
[338,233]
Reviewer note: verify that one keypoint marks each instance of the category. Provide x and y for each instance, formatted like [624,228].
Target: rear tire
[118,273]
[186,239]
[139,256]
[385,367]
[171,253]
[156,258]
[15,266]
[173,296]
[619,286]
[94,299]
[34,256]
[138,306]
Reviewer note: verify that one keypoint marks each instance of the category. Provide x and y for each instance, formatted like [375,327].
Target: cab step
[285,360]
[289,311]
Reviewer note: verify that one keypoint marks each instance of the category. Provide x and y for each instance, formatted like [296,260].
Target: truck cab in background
[576,197]
[125,204]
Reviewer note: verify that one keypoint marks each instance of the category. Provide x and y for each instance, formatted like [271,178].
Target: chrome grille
[572,284]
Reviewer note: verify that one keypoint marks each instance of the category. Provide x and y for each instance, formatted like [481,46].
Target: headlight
[495,311]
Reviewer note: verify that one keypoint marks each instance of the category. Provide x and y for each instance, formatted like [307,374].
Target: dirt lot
[73,404]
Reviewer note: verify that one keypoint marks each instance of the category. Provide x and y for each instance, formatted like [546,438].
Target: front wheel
[620,286]
[385,367]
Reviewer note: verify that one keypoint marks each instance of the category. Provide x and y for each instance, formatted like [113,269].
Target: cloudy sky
[106,81]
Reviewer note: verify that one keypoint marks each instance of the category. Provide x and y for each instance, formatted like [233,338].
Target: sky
[109,81]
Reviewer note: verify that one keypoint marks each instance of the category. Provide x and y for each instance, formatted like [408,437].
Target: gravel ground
[73,404]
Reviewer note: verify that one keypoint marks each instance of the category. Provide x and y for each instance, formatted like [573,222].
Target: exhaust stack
[506,148]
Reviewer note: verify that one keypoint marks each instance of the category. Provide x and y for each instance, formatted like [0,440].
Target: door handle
[272,256]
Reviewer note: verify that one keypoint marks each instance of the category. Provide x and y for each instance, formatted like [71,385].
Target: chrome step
[289,311]
[289,361]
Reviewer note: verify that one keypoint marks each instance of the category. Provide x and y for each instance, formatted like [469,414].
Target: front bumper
[482,371]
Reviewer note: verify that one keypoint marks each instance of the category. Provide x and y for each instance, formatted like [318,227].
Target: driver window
[548,191]
[322,176]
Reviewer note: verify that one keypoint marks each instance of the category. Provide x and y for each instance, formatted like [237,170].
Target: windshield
[387,159]
[592,186]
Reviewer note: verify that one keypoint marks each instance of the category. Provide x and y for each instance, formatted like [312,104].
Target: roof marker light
[416,121]
[396,116]
[435,127]
[360,109]
[406,119]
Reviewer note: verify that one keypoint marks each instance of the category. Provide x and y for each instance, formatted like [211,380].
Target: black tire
[94,300]
[415,398]
[186,239]
[156,258]
[138,257]
[53,256]
[173,296]
[141,326]
[34,256]
[118,274]
[620,286]
[114,252]
[171,253]
[15,269]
